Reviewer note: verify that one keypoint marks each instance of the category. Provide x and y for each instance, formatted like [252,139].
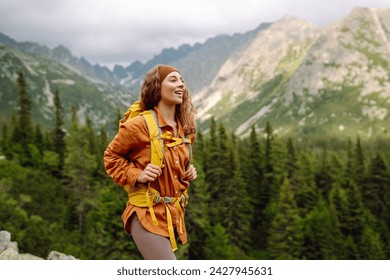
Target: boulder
[5,239]
[12,254]
[54,255]
[9,251]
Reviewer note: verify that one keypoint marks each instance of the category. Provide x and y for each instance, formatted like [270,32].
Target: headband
[164,70]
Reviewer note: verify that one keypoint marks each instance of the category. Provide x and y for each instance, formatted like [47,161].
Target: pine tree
[37,147]
[3,138]
[359,165]
[38,139]
[268,150]
[22,135]
[217,246]
[5,142]
[253,172]
[101,145]
[223,171]
[197,215]
[337,169]
[116,121]
[91,135]
[255,163]
[79,167]
[24,112]
[371,246]
[199,149]
[217,170]
[323,177]
[59,134]
[292,162]
[210,150]
[355,211]
[102,140]
[349,168]
[104,237]
[376,191]
[339,204]
[286,236]
[267,193]
[305,189]
[237,208]
[362,226]
[376,197]
[322,237]
[270,184]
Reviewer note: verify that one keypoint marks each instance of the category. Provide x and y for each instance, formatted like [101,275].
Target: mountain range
[90,96]
[305,79]
[302,78]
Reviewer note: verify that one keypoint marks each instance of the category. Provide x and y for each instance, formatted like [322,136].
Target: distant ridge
[304,79]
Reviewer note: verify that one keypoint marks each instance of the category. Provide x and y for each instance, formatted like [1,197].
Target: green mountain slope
[90,96]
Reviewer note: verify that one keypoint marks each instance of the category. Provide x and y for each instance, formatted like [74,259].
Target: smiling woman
[157,188]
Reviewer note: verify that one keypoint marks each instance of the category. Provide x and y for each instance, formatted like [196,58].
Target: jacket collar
[162,122]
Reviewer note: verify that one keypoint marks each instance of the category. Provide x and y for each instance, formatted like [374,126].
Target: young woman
[157,194]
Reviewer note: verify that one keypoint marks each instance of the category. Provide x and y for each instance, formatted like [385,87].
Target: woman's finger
[154,168]
[191,173]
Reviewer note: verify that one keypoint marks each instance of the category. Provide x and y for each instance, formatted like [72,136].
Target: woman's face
[172,89]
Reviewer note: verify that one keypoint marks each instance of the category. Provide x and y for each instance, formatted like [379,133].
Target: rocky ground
[9,251]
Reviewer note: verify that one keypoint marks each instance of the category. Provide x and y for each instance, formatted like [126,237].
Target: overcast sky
[121,31]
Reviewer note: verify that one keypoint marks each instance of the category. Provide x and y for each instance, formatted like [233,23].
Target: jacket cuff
[133,176]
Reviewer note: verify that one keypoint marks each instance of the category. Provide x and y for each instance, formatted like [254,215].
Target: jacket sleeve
[121,169]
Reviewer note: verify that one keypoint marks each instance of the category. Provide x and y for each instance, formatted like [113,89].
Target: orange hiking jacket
[129,153]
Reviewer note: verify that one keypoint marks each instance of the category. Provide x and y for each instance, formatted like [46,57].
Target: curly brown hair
[151,95]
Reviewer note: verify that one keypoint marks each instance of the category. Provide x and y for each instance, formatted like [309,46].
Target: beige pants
[150,245]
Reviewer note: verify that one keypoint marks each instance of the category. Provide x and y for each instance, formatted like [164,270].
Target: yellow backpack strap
[178,141]
[157,154]
[145,198]
[171,231]
[187,140]
[156,142]
[148,197]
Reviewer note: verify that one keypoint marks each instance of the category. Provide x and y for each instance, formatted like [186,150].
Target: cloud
[122,31]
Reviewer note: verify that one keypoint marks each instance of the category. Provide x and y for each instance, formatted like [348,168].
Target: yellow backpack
[150,197]
[156,141]
[155,134]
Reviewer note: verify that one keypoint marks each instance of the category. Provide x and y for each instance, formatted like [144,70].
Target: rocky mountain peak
[305,78]
[275,50]
[353,52]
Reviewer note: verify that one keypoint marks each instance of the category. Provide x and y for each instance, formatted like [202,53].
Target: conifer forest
[258,197]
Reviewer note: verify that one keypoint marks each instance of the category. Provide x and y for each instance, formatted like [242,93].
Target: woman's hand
[149,174]
[190,174]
